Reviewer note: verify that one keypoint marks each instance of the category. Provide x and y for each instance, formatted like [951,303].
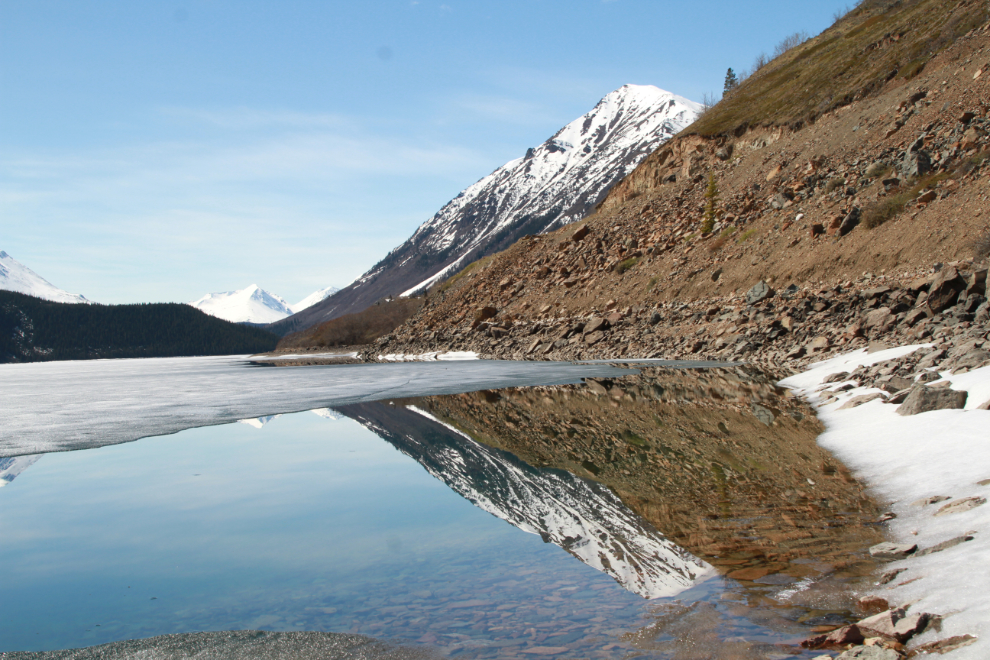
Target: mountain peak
[15,276]
[548,186]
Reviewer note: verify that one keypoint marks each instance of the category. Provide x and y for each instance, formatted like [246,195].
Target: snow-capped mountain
[583,517]
[255,305]
[15,276]
[556,183]
[248,305]
[313,298]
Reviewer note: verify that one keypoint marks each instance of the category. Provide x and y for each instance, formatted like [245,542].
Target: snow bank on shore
[910,458]
[451,356]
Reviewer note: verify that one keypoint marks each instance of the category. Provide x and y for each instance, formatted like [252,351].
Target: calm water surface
[590,521]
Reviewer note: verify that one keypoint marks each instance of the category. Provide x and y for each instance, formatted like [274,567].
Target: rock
[725,153]
[717,273]
[879,319]
[595,324]
[915,162]
[984,406]
[897,384]
[869,653]
[928,501]
[850,222]
[837,378]
[763,414]
[532,347]
[760,291]
[593,338]
[505,284]
[944,290]
[944,545]
[817,229]
[894,624]
[925,399]
[916,315]
[927,197]
[655,317]
[819,343]
[797,352]
[977,282]
[859,400]
[972,360]
[483,314]
[890,576]
[970,139]
[872,604]
[579,235]
[839,637]
[898,397]
[965,504]
[944,645]
[892,550]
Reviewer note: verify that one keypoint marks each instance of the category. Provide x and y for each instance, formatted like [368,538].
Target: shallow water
[392,520]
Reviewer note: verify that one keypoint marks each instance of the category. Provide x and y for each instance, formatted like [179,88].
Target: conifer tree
[711,205]
[730,81]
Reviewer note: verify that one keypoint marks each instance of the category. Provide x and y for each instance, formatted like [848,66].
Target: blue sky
[158,151]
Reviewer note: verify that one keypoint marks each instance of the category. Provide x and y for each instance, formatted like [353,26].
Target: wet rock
[760,291]
[892,550]
[869,653]
[959,506]
[839,637]
[925,399]
[896,624]
[890,576]
[873,604]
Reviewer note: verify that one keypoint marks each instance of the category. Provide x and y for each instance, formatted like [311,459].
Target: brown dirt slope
[907,161]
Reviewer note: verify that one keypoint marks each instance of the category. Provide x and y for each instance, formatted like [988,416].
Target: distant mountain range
[554,184]
[255,305]
[15,276]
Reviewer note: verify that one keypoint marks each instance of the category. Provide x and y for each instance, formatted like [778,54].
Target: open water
[623,516]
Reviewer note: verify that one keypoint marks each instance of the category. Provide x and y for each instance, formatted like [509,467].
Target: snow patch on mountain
[313,298]
[562,178]
[15,276]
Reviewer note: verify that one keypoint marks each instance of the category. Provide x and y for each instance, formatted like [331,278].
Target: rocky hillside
[845,219]
[554,184]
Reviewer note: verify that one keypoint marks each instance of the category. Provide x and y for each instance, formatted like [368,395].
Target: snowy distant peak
[15,276]
[313,298]
[249,305]
[11,467]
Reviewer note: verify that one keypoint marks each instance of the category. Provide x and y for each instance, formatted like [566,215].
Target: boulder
[593,338]
[763,414]
[579,235]
[760,291]
[916,161]
[655,317]
[483,314]
[944,290]
[819,343]
[925,399]
[892,550]
[895,624]
[595,324]
[879,319]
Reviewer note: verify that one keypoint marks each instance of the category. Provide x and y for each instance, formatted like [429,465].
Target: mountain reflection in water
[581,516]
[720,460]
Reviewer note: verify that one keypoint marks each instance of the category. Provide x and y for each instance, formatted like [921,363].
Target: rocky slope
[554,184]
[847,221]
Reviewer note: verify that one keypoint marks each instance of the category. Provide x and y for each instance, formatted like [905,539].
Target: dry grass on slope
[878,41]
[356,329]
